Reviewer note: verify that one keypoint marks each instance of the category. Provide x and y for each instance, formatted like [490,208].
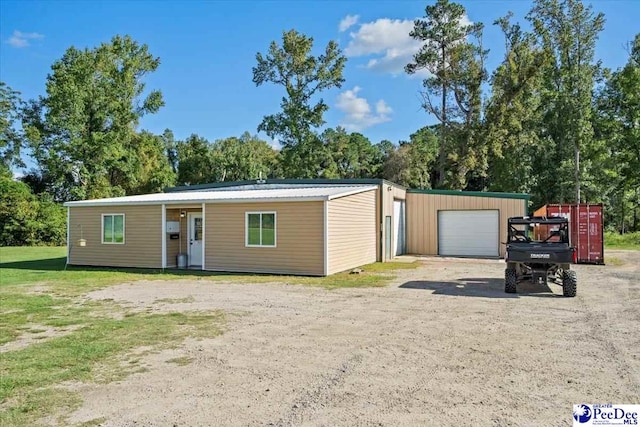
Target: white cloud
[348,22]
[387,43]
[19,39]
[382,108]
[358,112]
[275,144]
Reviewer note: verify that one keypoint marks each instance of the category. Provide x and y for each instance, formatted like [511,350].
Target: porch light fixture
[81,241]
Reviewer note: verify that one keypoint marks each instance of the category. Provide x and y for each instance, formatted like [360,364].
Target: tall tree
[195,161]
[352,155]
[412,164]
[244,158]
[513,114]
[28,219]
[170,147]
[468,153]
[82,132]
[11,139]
[153,169]
[303,76]
[617,130]
[229,159]
[456,72]
[568,31]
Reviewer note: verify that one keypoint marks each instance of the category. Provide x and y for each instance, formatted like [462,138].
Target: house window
[261,229]
[113,229]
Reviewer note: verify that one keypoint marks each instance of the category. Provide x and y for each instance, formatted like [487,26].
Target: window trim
[275,229]
[102,228]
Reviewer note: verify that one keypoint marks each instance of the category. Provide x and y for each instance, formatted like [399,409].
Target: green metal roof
[319,181]
[522,196]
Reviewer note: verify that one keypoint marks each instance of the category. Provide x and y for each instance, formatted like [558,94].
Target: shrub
[623,241]
[27,219]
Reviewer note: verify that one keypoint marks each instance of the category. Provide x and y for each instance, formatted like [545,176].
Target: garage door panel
[468,232]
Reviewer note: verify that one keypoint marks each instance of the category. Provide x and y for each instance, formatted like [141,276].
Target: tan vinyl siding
[396,193]
[352,231]
[143,241]
[299,235]
[422,217]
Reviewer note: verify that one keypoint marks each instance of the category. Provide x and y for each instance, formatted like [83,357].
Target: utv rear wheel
[510,280]
[569,283]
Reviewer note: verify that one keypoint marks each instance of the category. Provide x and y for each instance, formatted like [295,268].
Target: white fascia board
[195,201]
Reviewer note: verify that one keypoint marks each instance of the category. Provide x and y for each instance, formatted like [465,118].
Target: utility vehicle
[538,249]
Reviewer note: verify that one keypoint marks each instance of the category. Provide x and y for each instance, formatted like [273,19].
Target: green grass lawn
[622,241]
[96,339]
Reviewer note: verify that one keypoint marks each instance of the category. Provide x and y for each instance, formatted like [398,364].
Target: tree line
[550,120]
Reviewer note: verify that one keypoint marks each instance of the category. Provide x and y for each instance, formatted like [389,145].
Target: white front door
[195,237]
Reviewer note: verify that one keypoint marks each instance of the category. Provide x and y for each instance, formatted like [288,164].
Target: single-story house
[307,227]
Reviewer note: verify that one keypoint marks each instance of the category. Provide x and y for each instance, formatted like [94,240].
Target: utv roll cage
[553,227]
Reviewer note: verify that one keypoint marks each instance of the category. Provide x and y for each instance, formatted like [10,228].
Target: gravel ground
[441,345]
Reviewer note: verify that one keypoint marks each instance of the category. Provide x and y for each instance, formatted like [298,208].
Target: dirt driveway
[442,345]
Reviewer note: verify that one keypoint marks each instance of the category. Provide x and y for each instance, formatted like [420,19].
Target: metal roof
[493,194]
[313,182]
[231,196]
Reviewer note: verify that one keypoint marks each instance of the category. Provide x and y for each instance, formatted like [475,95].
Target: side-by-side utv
[538,249]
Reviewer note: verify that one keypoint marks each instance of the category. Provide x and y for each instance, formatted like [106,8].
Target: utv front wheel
[510,280]
[569,283]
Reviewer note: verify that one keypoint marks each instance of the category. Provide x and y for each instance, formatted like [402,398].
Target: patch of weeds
[75,357]
[181,361]
[614,240]
[616,262]
[373,275]
[184,300]
[25,309]
[27,268]
[34,404]
[390,266]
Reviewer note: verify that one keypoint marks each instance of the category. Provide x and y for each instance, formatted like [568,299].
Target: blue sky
[207,50]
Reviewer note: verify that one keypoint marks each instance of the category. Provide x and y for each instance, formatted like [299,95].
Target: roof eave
[497,195]
[190,201]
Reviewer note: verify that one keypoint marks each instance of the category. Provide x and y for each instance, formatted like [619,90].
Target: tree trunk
[577,172]
[635,210]
[441,152]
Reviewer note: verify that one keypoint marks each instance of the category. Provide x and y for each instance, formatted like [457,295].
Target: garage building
[460,223]
[306,227]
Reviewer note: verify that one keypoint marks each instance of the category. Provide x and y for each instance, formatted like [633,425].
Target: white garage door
[399,218]
[468,233]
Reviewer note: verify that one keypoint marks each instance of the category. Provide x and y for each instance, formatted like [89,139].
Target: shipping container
[586,227]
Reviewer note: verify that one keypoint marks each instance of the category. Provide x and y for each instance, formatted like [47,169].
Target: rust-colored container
[586,227]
